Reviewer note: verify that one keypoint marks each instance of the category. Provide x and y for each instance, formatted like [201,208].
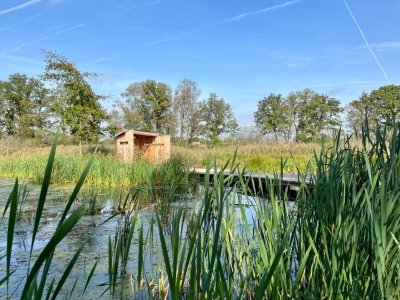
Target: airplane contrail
[366,42]
[220,22]
[26,4]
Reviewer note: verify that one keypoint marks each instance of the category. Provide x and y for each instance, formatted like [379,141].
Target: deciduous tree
[24,105]
[386,101]
[76,104]
[216,118]
[271,116]
[375,107]
[151,101]
[310,113]
[360,110]
[185,108]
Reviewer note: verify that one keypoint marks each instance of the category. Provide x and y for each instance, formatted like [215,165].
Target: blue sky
[241,50]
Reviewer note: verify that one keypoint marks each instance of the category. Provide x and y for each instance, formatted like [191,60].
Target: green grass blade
[58,236]
[77,187]
[73,287]
[11,227]
[6,277]
[44,189]
[90,277]
[110,253]
[67,272]
[7,204]
[166,257]
[140,254]
[50,289]
[267,276]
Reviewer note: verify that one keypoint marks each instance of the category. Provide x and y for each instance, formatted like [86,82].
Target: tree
[249,135]
[323,113]
[76,105]
[376,107]
[310,113]
[360,110]
[270,116]
[151,101]
[23,105]
[185,108]
[194,128]
[386,101]
[217,118]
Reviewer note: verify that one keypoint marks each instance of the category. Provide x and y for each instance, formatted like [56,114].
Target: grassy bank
[109,172]
[106,170]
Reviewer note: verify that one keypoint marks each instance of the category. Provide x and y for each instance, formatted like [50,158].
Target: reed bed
[340,240]
[106,170]
[29,162]
[262,157]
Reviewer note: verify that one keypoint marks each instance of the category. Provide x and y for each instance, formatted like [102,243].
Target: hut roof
[142,133]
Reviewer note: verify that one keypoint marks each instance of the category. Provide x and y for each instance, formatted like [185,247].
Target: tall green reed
[341,241]
[37,284]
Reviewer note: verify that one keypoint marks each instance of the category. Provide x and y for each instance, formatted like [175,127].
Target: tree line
[62,98]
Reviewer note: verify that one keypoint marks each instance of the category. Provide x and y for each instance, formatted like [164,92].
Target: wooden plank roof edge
[145,133]
[135,132]
[121,132]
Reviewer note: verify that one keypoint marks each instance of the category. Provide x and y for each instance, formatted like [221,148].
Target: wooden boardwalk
[258,183]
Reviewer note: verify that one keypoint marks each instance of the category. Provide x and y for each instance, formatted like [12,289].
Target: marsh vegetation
[340,240]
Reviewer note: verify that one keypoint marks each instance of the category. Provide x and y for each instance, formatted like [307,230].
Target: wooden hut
[152,146]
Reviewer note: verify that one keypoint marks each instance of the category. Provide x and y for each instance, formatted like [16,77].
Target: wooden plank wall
[163,147]
[125,147]
[143,144]
[152,148]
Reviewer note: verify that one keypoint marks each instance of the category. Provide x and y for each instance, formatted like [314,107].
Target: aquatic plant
[340,240]
[37,284]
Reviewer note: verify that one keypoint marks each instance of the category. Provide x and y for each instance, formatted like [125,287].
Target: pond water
[90,229]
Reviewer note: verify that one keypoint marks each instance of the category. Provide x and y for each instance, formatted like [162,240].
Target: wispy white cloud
[21,41]
[335,91]
[384,46]
[348,83]
[55,2]
[23,59]
[147,3]
[241,16]
[22,6]
[366,42]
[45,37]
[22,21]
[102,59]
[206,26]
[294,65]
[102,79]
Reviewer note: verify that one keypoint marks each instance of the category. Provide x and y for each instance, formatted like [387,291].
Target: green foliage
[375,107]
[358,111]
[185,107]
[148,106]
[311,114]
[40,268]
[302,115]
[75,104]
[271,115]
[340,241]
[24,106]
[216,118]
